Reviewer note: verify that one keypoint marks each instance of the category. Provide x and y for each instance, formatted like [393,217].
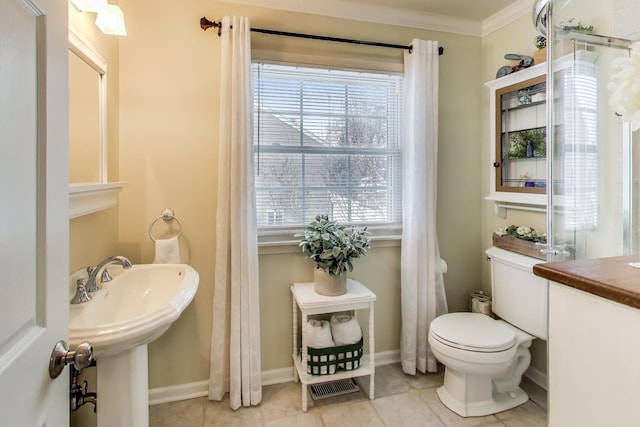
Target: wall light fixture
[95,6]
[111,21]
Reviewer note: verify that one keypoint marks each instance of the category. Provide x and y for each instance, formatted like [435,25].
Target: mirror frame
[87,54]
[87,198]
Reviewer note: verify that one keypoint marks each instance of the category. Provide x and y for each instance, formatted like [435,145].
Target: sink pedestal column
[123,388]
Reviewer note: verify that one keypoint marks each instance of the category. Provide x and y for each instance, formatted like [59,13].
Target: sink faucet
[100,270]
[81,295]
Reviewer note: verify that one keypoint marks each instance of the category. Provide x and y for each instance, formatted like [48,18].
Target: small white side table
[309,302]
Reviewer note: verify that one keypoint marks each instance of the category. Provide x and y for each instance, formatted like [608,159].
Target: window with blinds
[326,142]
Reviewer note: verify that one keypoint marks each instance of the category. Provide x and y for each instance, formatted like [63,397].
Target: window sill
[291,246]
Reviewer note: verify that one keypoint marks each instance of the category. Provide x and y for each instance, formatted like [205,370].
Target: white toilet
[485,358]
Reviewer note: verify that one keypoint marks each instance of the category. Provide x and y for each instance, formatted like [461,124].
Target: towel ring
[167,215]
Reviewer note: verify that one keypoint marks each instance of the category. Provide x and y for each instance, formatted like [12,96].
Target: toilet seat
[473,332]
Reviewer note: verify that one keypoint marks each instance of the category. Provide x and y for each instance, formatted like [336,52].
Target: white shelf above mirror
[85,199]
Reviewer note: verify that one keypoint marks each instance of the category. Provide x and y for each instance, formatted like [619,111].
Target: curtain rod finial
[205,24]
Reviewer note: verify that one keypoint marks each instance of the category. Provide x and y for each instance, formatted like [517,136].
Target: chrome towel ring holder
[167,215]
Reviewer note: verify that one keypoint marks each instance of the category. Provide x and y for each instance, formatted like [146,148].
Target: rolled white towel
[345,329]
[319,336]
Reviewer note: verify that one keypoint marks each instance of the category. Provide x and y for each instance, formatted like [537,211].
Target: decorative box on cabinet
[518,135]
[309,303]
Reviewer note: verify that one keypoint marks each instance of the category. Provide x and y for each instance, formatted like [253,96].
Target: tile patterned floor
[401,401]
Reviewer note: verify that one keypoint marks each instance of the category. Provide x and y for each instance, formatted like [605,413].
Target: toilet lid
[473,331]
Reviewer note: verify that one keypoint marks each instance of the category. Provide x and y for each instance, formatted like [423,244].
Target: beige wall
[516,37]
[166,150]
[168,133]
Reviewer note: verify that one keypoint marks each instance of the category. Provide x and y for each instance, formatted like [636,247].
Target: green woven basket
[326,361]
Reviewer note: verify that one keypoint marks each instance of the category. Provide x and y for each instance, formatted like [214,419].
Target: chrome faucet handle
[93,284]
[105,276]
[81,295]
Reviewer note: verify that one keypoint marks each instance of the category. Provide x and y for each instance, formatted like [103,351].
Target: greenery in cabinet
[528,143]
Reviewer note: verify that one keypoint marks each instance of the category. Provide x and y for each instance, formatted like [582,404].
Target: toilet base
[497,403]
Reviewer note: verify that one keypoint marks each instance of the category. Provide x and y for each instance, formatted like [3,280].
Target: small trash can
[480,303]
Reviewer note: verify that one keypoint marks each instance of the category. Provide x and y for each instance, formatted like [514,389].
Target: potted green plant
[332,247]
[540,55]
[528,143]
[520,239]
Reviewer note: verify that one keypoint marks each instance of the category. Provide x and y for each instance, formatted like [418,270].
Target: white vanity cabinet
[594,360]
[594,345]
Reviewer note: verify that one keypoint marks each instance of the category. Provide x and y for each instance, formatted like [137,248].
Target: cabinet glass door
[521,137]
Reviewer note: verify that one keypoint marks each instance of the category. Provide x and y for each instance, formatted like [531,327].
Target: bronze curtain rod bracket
[205,24]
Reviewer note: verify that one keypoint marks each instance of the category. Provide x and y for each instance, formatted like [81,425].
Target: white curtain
[422,285]
[235,341]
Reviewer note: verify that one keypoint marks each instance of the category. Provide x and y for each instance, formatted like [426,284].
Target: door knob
[61,356]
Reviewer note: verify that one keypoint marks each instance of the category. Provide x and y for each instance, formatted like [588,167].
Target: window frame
[280,239]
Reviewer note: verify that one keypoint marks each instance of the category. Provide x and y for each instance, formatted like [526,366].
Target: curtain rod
[205,24]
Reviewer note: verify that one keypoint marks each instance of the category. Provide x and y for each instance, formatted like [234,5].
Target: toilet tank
[519,297]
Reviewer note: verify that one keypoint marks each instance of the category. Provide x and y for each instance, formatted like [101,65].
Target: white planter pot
[329,284]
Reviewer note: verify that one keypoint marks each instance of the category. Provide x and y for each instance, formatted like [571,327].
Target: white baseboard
[196,389]
[537,376]
[178,392]
[387,357]
[277,376]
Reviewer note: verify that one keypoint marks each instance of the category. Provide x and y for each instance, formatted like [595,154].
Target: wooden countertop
[610,278]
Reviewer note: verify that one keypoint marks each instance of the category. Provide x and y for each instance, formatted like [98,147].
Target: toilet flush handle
[556,250]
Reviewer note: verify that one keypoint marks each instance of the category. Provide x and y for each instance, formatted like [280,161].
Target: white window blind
[579,145]
[326,142]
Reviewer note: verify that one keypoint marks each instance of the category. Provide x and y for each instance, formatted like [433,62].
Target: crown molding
[378,14]
[401,17]
[514,11]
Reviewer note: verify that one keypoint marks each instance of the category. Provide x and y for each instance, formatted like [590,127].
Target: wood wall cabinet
[518,136]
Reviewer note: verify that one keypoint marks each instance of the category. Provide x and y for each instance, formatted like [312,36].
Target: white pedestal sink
[130,311]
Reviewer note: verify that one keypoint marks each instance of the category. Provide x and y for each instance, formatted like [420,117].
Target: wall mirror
[89,189]
[87,113]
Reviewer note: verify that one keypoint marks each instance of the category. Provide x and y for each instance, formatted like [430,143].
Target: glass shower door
[592,157]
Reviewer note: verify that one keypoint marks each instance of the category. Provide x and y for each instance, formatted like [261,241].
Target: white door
[34,218]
